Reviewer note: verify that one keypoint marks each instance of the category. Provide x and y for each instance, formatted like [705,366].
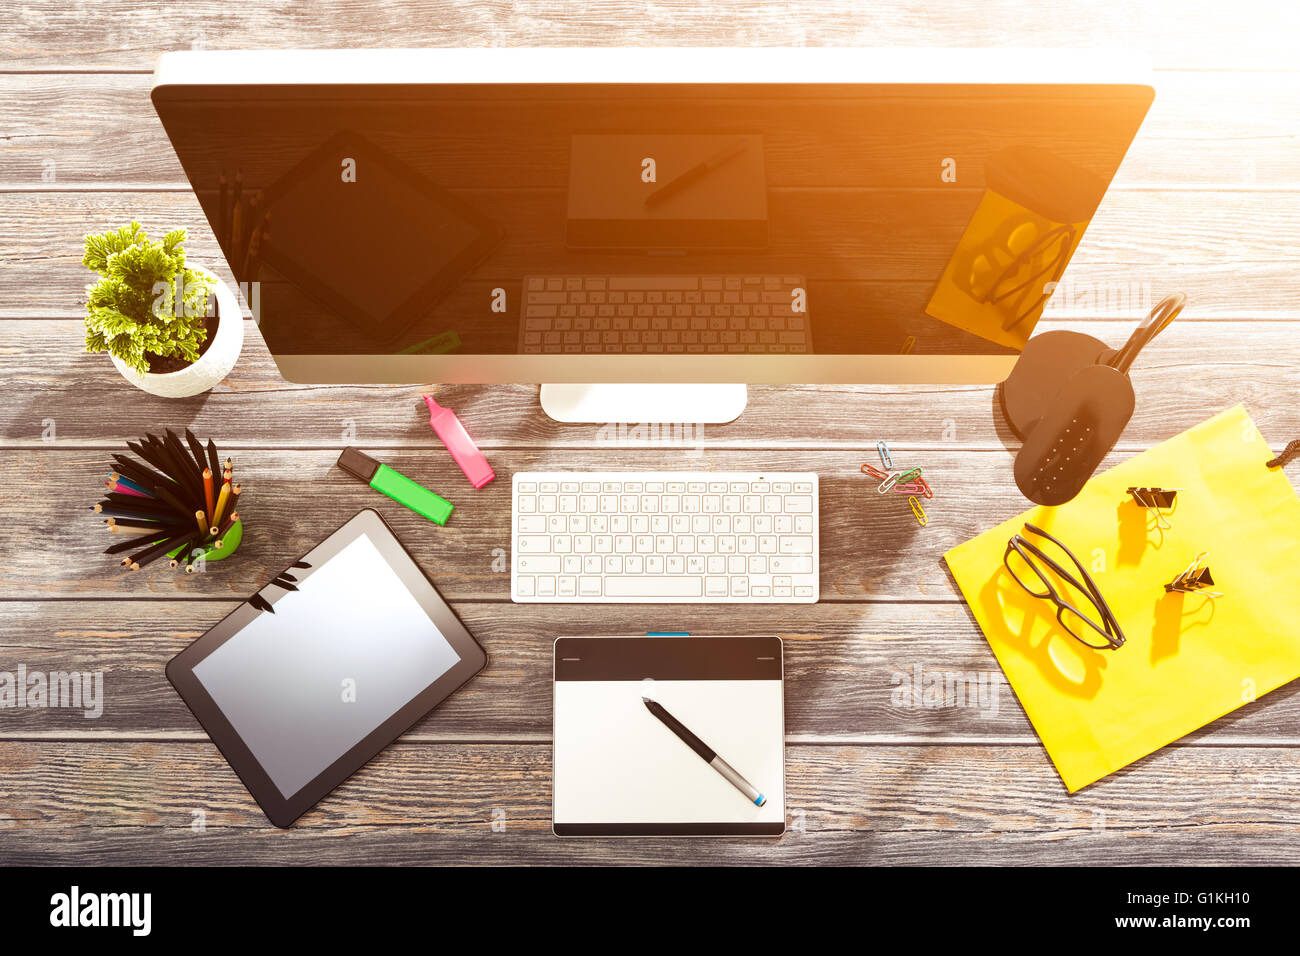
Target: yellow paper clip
[917,510]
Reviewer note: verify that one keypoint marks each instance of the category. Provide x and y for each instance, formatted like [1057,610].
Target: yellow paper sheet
[1188,659]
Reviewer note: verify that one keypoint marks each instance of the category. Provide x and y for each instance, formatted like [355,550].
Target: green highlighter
[396,485]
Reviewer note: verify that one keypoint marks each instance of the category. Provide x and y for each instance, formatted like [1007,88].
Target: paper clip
[915,487]
[888,483]
[874,472]
[1158,502]
[917,510]
[885,458]
[909,475]
[1196,579]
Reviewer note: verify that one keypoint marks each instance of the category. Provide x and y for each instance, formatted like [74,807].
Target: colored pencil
[134,543]
[158,486]
[202,520]
[176,561]
[185,474]
[154,552]
[170,467]
[130,485]
[213,461]
[142,475]
[137,506]
[196,449]
[135,501]
[184,457]
[122,513]
[222,500]
[225,528]
[140,529]
[207,490]
[145,523]
[155,454]
[126,490]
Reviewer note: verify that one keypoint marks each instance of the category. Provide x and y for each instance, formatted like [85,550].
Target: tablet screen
[337,658]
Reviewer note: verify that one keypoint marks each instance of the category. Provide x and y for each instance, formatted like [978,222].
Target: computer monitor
[649,216]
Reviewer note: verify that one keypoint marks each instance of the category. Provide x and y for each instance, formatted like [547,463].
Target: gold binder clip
[1196,579]
[1158,502]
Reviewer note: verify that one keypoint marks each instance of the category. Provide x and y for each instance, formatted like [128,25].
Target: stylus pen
[707,754]
[696,172]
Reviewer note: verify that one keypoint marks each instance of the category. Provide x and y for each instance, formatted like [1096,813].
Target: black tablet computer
[325,666]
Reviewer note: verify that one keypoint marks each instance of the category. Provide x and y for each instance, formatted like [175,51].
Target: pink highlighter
[448,427]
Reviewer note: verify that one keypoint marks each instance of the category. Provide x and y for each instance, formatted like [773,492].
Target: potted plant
[172,329]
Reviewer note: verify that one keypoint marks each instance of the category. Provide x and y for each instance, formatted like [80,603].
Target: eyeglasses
[1098,629]
[1046,266]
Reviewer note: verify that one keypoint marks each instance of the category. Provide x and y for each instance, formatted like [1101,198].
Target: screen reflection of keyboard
[664,537]
[715,314]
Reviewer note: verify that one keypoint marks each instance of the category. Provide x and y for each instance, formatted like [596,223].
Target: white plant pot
[213,365]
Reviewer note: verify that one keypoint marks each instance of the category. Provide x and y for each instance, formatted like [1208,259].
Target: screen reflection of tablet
[336,219]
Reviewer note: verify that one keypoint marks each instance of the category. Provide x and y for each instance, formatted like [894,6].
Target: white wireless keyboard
[664,538]
[755,314]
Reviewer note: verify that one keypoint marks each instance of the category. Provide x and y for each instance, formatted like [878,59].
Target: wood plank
[81,35]
[92,803]
[41,272]
[871,546]
[849,672]
[1196,135]
[1192,370]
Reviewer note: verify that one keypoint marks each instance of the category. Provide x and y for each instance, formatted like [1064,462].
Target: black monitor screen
[677,218]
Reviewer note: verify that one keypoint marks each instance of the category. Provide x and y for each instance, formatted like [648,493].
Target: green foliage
[132,310]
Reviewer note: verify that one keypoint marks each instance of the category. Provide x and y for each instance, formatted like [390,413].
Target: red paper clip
[873,471]
[917,486]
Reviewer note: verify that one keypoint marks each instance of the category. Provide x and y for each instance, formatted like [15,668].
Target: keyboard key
[653,587]
[658,283]
[790,564]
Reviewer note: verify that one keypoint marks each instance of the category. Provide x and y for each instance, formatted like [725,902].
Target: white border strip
[802,65]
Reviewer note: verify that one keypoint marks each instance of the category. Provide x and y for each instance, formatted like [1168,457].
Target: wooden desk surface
[1208,201]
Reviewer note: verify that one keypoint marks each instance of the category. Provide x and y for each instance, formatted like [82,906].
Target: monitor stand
[637,404]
